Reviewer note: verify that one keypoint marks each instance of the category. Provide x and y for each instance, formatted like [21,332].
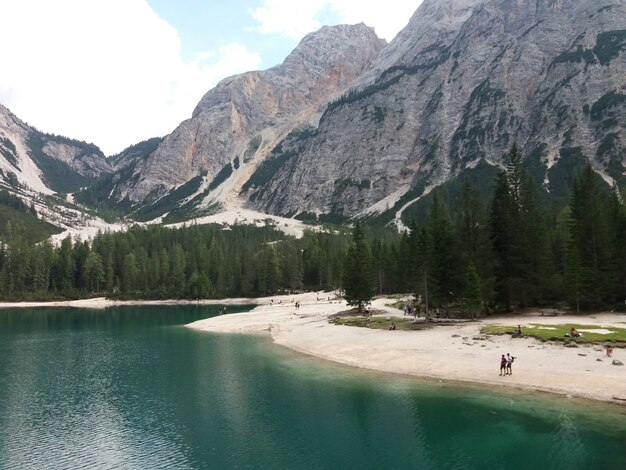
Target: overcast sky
[115,72]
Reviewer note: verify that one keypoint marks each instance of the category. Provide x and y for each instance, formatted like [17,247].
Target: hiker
[509,364]
[609,351]
[405,309]
[503,363]
[518,332]
[392,326]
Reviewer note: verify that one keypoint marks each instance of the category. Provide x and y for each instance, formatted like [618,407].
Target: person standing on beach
[509,364]
[503,363]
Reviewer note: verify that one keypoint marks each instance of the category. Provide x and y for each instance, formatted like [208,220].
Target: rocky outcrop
[459,85]
[16,166]
[45,163]
[243,117]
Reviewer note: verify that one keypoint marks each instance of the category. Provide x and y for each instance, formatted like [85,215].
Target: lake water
[131,388]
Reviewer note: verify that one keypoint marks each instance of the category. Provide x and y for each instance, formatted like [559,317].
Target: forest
[513,251]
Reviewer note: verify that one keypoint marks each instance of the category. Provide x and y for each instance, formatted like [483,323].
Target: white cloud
[106,71]
[295,19]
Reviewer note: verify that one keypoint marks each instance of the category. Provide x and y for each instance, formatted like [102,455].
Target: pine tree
[473,233]
[591,242]
[445,255]
[519,236]
[502,226]
[359,277]
[424,261]
[472,294]
[533,249]
[94,270]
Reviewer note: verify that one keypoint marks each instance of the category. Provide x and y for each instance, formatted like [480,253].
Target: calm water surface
[131,388]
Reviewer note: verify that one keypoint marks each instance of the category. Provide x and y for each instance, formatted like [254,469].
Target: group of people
[411,311]
[506,364]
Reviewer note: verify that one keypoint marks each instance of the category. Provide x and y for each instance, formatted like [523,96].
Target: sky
[116,72]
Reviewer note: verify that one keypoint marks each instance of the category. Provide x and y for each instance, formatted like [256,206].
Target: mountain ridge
[489,78]
[349,126]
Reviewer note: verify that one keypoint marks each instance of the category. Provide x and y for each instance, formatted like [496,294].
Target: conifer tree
[502,226]
[590,242]
[94,271]
[445,257]
[424,261]
[472,294]
[359,277]
[533,249]
[519,235]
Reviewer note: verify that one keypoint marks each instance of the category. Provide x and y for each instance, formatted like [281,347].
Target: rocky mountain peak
[236,123]
[331,48]
[333,53]
[456,88]
[347,125]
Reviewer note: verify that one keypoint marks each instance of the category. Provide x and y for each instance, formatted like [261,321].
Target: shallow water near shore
[130,387]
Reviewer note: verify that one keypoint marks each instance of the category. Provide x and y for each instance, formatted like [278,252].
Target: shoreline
[103,302]
[450,353]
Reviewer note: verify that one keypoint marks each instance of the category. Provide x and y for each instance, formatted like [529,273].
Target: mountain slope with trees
[514,252]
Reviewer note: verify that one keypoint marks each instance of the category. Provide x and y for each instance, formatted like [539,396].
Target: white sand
[443,352]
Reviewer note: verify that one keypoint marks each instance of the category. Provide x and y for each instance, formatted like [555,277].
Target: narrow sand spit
[455,353]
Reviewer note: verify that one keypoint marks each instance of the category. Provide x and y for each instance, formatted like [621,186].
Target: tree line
[515,251]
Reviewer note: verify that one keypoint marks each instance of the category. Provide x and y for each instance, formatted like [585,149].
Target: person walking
[509,364]
[503,363]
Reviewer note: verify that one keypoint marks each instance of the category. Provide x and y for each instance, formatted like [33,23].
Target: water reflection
[130,388]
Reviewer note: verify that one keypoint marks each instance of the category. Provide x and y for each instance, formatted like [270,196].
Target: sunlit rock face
[460,84]
[238,122]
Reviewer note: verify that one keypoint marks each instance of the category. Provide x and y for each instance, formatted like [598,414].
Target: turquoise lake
[131,388]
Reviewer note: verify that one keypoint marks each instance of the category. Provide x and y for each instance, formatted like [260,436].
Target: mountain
[38,173]
[237,123]
[452,92]
[351,126]
[45,163]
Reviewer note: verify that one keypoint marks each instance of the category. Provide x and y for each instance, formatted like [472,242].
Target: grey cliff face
[460,84]
[243,117]
[43,162]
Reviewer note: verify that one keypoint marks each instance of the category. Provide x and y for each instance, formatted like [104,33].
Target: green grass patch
[378,323]
[382,322]
[558,332]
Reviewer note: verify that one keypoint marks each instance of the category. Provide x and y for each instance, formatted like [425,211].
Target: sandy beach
[452,353]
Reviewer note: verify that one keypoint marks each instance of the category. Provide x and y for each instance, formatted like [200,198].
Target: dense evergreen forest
[512,252]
